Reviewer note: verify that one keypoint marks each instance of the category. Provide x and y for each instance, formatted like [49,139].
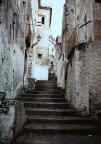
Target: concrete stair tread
[40,94]
[31,142]
[45,126]
[50,110]
[59,119]
[50,105]
[44,117]
[47,103]
[32,94]
[57,139]
[49,114]
[47,81]
[41,99]
[48,91]
[48,87]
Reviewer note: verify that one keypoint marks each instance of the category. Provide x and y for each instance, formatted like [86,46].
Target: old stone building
[59,104]
[81,46]
[42,18]
[15,49]
[14,39]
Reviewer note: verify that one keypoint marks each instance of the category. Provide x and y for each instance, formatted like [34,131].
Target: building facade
[13,34]
[42,20]
[81,46]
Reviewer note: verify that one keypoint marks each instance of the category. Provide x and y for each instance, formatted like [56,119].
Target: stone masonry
[82,36]
[13,33]
[13,15]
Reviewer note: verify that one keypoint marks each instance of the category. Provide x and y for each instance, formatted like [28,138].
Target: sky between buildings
[57,16]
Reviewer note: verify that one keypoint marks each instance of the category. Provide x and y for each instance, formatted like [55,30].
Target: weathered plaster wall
[94,75]
[84,68]
[5,62]
[94,61]
[76,85]
[13,29]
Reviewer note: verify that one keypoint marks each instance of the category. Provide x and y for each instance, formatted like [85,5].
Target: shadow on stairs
[51,120]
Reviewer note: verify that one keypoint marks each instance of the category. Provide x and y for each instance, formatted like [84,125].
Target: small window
[43,20]
[24,3]
[39,56]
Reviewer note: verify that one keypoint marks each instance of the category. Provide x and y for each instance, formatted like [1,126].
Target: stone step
[49,91]
[60,119]
[47,111]
[42,99]
[58,139]
[45,93]
[51,105]
[31,142]
[40,95]
[48,87]
[46,82]
[61,128]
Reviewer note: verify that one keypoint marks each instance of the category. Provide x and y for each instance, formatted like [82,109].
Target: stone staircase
[51,120]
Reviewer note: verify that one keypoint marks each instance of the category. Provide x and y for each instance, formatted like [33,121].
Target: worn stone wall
[13,17]
[76,85]
[5,52]
[94,67]
[5,63]
[69,26]
[84,67]
[94,76]
[13,31]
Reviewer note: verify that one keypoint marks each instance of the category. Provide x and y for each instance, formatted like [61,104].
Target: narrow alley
[50,119]
[50,71]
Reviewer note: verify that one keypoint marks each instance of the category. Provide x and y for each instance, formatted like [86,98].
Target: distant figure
[51,71]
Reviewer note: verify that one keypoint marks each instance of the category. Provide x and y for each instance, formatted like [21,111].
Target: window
[43,20]
[24,3]
[39,56]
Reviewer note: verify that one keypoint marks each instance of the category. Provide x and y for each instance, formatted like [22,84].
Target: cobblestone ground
[6,124]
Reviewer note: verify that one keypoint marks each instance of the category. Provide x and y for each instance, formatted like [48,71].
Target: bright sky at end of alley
[57,6]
